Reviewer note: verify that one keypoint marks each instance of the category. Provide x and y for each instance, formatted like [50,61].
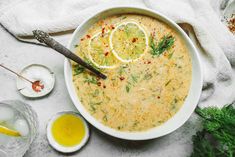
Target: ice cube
[6,114]
[22,126]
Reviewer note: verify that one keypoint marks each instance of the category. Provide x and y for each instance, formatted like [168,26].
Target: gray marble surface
[16,55]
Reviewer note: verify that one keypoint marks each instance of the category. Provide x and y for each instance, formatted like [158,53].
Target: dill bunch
[217,139]
[166,42]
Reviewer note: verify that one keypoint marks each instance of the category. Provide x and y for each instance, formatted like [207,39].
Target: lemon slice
[128,41]
[9,132]
[100,53]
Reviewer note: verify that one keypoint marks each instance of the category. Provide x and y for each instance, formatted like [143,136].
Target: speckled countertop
[17,55]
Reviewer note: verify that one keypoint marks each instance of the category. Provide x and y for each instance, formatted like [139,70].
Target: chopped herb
[96,103]
[91,79]
[164,44]
[95,93]
[78,69]
[122,70]
[170,55]
[127,88]
[93,106]
[75,45]
[173,103]
[175,100]
[93,109]
[181,57]
[105,118]
[147,76]
[135,123]
[167,83]
[134,78]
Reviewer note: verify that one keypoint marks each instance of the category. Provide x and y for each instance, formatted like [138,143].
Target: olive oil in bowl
[67,132]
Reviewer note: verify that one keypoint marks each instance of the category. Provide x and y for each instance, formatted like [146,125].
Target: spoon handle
[45,38]
[15,73]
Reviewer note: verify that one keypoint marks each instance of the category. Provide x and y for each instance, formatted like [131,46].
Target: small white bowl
[59,147]
[179,118]
[35,72]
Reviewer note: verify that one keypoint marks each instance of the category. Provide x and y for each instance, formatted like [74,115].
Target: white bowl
[59,147]
[172,124]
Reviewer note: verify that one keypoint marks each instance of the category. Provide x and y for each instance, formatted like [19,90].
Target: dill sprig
[217,139]
[78,69]
[164,44]
[90,79]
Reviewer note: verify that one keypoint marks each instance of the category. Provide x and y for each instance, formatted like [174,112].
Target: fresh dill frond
[166,42]
[217,139]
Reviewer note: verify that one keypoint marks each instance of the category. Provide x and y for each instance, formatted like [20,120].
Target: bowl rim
[167,127]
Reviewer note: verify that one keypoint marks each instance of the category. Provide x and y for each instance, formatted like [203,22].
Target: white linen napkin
[201,18]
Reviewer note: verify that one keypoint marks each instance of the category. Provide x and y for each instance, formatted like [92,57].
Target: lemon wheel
[128,41]
[100,53]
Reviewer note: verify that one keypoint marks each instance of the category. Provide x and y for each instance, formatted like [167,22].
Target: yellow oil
[68,130]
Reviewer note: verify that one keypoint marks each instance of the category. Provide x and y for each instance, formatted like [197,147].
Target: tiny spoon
[36,85]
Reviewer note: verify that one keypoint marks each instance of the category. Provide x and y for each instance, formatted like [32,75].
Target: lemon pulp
[68,130]
[100,53]
[128,41]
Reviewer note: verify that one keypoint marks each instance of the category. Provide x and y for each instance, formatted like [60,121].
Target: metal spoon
[43,37]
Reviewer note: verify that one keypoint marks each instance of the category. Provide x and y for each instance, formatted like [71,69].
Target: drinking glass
[18,115]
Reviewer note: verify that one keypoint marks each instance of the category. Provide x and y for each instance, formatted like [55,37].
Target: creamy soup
[148,67]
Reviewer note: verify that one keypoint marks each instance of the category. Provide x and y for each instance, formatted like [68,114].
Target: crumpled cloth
[200,18]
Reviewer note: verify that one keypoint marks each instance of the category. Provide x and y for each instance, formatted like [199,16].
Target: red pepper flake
[122,78]
[148,62]
[99,83]
[134,40]
[103,30]
[158,97]
[106,53]
[82,39]
[231,23]
[112,27]
[88,36]
[37,86]
[104,86]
